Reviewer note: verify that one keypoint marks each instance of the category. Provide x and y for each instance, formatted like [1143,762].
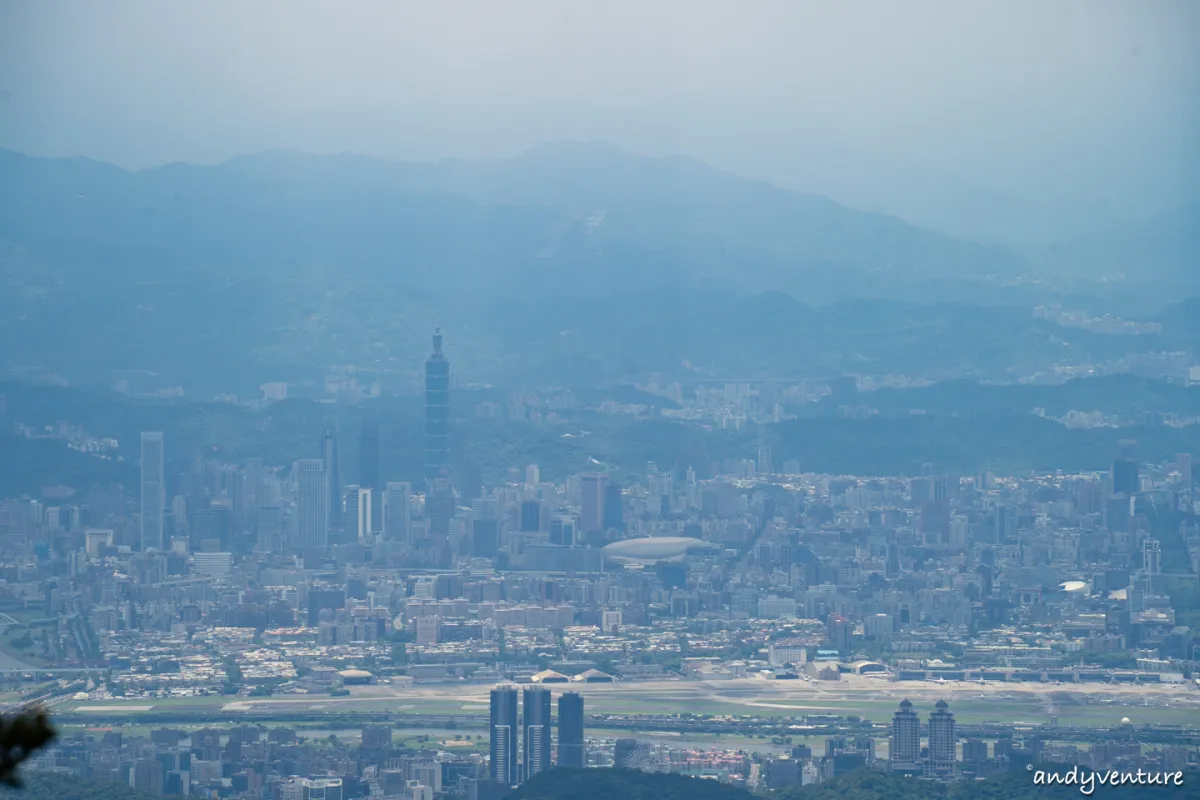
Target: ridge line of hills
[570,263]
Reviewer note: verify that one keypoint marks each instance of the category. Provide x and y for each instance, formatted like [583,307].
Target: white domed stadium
[653,549]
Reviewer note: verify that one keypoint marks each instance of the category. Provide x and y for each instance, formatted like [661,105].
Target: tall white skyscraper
[397,512]
[943,740]
[153,492]
[312,503]
[904,747]
[363,517]
[1152,556]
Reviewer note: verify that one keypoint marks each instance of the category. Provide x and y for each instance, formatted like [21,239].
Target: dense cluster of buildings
[935,748]
[279,763]
[252,580]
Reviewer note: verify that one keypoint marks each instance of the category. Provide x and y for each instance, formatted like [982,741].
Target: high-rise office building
[351,513]
[591,502]
[562,531]
[1005,524]
[892,565]
[614,508]
[437,410]
[943,740]
[536,725]
[440,506]
[904,744]
[1152,556]
[269,528]
[397,512]
[571,752]
[153,492]
[935,512]
[333,484]
[376,736]
[503,733]
[1125,477]
[312,503]
[1184,466]
[763,464]
[485,528]
[147,776]
[240,513]
[975,751]
[428,630]
[839,633]
[531,516]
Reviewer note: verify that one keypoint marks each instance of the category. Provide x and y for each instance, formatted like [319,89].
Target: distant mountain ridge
[676,204]
[572,263]
[1164,249]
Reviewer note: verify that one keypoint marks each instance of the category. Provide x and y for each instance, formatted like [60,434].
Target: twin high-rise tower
[904,746]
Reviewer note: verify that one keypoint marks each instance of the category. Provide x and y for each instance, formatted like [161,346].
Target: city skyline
[758,401]
[526,524]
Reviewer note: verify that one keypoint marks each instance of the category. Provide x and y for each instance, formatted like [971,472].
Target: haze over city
[1086,111]
[540,400]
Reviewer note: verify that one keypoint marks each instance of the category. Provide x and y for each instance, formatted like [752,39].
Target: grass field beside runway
[876,701]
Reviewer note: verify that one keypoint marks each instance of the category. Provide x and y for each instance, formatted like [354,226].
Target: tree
[21,736]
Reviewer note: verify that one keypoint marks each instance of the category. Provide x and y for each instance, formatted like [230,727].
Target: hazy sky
[1059,102]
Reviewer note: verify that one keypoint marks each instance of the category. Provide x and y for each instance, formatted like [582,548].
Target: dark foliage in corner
[21,735]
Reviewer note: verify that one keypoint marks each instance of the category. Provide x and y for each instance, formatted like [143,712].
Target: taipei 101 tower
[437,410]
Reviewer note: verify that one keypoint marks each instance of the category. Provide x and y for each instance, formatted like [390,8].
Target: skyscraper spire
[437,410]
[333,482]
